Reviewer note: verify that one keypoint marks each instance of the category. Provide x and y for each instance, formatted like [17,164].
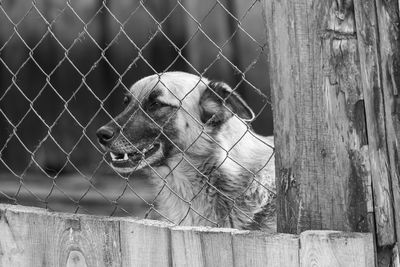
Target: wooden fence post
[335,75]
[389,50]
[320,134]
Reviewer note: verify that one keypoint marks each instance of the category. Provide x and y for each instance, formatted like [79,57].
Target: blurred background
[65,65]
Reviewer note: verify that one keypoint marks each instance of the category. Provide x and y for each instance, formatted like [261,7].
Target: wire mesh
[64,69]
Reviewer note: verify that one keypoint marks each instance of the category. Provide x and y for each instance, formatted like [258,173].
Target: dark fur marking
[228,101]
[154,94]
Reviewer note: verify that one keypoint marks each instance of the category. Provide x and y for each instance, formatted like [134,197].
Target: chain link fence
[65,67]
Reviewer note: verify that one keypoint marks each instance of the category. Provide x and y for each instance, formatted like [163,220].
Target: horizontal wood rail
[36,237]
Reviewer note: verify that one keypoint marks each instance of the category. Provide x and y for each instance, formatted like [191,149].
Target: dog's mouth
[134,156]
[135,160]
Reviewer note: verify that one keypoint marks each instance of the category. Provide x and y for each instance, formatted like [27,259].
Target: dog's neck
[197,189]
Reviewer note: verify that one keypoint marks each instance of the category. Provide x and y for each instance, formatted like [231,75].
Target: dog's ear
[218,101]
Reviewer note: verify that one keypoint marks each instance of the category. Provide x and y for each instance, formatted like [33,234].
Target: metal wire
[85,36]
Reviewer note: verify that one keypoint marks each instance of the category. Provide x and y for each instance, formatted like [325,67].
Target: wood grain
[202,246]
[327,248]
[145,243]
[35,237]
[322,162]
[259,249]
[387,13]
[365,15]
[186,247]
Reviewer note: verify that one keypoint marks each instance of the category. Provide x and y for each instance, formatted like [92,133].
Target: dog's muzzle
[125,156]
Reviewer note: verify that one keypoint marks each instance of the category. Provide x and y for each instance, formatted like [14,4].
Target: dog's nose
[105,134]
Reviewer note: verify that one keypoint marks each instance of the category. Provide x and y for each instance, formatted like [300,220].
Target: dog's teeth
[113,156]
[118,157]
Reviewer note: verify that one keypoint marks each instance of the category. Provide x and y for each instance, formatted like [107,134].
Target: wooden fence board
[388,20]
[186,247]
[35,237]
[259,249]
[202,246]
[145,243]
[217,247]
[365,17]
[327,248]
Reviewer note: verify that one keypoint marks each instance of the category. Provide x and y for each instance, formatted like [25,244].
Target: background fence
[65,64]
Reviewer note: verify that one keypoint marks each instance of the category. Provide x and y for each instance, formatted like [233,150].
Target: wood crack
[336,35]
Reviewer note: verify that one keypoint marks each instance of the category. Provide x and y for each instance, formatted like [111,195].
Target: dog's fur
[207,162]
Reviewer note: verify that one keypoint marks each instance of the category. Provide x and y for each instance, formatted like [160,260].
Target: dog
[192,138]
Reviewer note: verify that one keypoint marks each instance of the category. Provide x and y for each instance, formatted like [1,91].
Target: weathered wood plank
[34,237]
[388,18]
[327,248]
[145,243]
[260,249]
[195,246]
[186,247]
[322,162]
[365,15]
[284,74]
[202,246]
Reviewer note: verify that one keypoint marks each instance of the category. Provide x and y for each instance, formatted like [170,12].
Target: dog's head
[165,115]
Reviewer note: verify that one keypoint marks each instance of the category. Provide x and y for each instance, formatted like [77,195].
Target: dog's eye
[126,100]
[156,105]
